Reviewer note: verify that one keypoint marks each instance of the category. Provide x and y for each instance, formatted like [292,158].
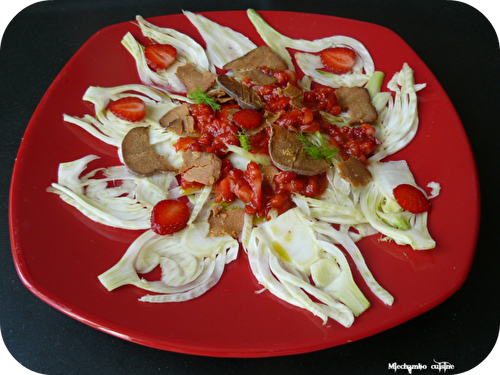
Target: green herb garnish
[315,151]
[201,97]
[244,141]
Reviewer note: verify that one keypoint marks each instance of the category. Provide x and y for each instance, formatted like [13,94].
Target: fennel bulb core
[291,239]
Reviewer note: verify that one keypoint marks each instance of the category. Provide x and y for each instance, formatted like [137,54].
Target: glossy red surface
[59,253]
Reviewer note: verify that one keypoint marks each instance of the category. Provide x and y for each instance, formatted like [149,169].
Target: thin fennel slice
[110,129]
[279,43]
[126,205]
[222,43]
[282,259]
[312,66]
[343,287]
[165,79]
[200,199]
[351,248]
[332,212]
[188,50]
[383,213]
[125,272]
[248,156]
[196,291]
[259,259]
[188,270]
[399,122]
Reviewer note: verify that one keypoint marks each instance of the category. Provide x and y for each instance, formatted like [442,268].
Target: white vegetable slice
[355,254]
[307,62]
[291,239]
[259,258]
[378,205]
[200,200]
[312,66]
[188,50]
[285,250]
[299,287]
[195,241]
[126,205]
[188,268]
[246,157]
[125,272]
[165,79]
[332,212]
[110,129]
[399,122]
[222,43]
[198,290]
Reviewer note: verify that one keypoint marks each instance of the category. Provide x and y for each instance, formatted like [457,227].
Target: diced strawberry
[160,56]
[247,118]
[224,111]
[254,178]
[411,198]
[243,190]
[130,108]
[169,216]
[338,60]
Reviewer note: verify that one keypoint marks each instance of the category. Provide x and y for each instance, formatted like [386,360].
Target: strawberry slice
[247,118]
[169,216]
[411,198]
[160,56]
[338,60]
[130,108]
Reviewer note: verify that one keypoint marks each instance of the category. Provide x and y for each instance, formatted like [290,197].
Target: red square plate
[59,253]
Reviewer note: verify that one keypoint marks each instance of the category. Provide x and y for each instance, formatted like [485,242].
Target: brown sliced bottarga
[140,156]
[354,172]
[288,153]
[357,100]
[246,97]
[259,57]
[296,95]
[192,79]
[222,222]
[257,77]
[179,120]
[201,167]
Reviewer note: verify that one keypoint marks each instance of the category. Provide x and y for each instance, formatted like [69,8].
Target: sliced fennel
[399,122]
[285,250]
[188,50]
[312,66]
[241,157]
[337,205]
[332,212]
[200,200]
[345,240]
[290,289]
[296,246]
[127,205]
[279,43]
[163,143]
[223,44]
[110,129]
[343,287]
[165,79]
[187,272]
[375,83]
[384,214]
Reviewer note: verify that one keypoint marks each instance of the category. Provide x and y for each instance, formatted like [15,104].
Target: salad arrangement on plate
[277,150]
